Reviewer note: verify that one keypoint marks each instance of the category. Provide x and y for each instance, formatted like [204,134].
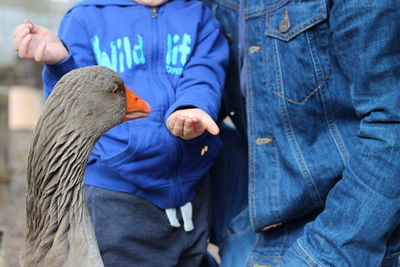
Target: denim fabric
[322,127]
[131,231]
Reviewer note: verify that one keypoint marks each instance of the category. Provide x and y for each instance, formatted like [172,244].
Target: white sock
[187,211]
[173,220]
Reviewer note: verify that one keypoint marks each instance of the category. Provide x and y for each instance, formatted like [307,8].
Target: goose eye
[116,88]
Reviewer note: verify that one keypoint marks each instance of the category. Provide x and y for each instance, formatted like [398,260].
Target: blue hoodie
[172,56]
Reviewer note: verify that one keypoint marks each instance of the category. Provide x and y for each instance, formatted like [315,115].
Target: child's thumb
[211,126]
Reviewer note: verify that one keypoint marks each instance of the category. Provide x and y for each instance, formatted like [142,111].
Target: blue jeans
[131,231]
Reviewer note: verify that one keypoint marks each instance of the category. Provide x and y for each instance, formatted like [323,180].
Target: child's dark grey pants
[131,231]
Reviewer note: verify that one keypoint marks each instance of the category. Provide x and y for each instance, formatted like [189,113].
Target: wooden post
[4,145]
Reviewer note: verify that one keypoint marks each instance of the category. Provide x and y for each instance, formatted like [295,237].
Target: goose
[84,104]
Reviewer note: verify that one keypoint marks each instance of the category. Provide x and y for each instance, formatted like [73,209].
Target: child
[174,56]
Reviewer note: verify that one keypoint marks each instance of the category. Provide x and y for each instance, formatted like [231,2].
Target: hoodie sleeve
[201,84]
[73,34]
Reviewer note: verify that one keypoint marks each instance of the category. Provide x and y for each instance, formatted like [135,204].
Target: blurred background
[21,99]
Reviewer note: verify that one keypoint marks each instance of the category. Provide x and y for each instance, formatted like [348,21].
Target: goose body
[85,103]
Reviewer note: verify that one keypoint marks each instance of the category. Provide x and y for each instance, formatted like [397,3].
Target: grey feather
[81,107]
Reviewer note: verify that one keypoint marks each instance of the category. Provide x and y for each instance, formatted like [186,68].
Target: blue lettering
[128,53]
[184,48]
[121,56]
[169,50]
[121,53]
[103,58]
[138,51]
[173,70]
[175,50]
[177,46]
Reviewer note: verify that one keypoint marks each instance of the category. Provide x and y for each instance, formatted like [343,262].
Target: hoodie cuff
[193,104]
[56,71]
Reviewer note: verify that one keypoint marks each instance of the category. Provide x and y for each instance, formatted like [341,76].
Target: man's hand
[34,42]
[191,123]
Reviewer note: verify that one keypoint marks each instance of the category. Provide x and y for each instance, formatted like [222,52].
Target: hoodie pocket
[114,145]
[197,156]
[147,160]
[299,35]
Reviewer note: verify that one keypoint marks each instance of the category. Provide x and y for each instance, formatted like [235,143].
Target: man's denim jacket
[323,120]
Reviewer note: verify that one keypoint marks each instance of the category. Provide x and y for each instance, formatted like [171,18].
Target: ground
[12,203]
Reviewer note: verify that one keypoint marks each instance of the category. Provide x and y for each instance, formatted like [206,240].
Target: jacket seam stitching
[268,8]
[229,4]
[252,168]
[306,253]
[302,257]
[289,132]
[300,28]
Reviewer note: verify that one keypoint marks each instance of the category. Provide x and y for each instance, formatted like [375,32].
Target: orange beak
[135,106]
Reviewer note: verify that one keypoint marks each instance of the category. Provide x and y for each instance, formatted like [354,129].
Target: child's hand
[191,123]
[34,42]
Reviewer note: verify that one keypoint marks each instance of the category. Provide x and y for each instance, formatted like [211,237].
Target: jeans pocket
[299,37]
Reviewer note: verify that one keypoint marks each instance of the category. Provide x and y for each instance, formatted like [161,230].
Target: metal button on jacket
[285,23]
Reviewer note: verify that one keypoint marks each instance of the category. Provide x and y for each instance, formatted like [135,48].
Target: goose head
[95,100]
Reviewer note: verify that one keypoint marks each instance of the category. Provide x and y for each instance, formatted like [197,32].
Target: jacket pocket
[299,35]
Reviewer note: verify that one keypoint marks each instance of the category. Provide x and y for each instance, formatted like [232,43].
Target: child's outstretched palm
[191,123]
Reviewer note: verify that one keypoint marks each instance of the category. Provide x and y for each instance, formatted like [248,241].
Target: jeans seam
[306,254]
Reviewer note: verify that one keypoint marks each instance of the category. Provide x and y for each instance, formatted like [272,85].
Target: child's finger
[188,128]
[199,128]
[23,46]
[39,53]
[178,127]
[171,122]
[211,127]
[19,34]
[28,21]
[34,27]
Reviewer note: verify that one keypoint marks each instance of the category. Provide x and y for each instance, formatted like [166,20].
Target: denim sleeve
[363,209]
[201,84]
